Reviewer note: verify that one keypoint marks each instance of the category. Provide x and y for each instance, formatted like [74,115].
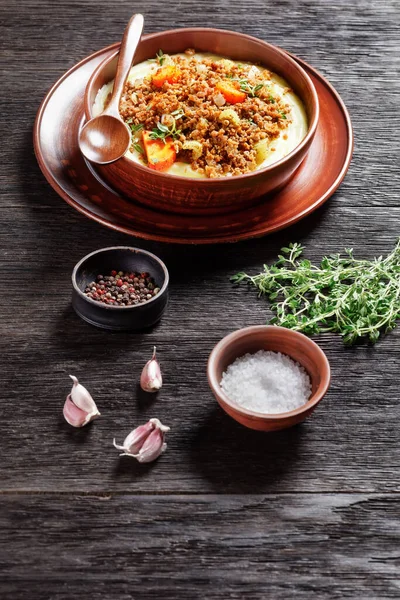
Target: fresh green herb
[134,128]
[283,115]
[161,132]
[355,298]
[251,122]
[138,148]
[160,57]
[271,99]
[251,90]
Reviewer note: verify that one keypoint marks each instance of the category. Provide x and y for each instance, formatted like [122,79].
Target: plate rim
[213,238]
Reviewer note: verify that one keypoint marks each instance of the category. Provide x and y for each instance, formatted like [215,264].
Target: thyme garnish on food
[251,90]
[134,128]
[355,298]
[160,57]
[161,131]
[138,148]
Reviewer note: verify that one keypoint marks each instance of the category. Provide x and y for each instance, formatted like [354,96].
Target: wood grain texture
[326,523]
[258,547]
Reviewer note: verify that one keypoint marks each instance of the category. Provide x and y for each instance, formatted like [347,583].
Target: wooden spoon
[106,138]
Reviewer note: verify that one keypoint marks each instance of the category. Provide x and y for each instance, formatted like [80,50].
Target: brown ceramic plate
[61,115]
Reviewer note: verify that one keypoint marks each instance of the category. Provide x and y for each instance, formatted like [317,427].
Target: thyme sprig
[355,298]
[251,90]
[160,57]
[138,148]
[161,131]
[245,86]
[134,128]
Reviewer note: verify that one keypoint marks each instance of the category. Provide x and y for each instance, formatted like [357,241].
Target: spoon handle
[130,41]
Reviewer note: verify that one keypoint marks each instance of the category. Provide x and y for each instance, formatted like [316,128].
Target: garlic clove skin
[72,414]
[158,425]
[75,416]
[145,443]
[81,397]
[79,408]
[152,448]
[135,440]
[151,378]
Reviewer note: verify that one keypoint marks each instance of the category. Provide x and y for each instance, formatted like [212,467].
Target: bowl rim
[219,181]
[245,332]
[118,308]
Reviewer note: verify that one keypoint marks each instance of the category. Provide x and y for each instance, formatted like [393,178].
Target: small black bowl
[119,318]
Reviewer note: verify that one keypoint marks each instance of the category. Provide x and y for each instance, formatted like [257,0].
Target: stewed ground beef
[227,139]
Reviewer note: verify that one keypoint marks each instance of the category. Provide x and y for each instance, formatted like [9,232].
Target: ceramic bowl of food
[219,120]
[301,349]
[118,277]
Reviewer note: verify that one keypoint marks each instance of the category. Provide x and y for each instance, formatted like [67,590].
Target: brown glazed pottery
[57,125]
[207,196]
[277,339]
[119,318]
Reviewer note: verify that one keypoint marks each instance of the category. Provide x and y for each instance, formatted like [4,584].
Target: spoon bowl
[105,138]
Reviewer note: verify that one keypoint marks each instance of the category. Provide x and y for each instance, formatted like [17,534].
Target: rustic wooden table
[311,512]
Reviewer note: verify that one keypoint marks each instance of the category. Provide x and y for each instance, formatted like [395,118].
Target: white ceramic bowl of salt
[268,377]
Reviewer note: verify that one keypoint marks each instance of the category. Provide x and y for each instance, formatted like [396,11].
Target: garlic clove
[145,443]
[135,440]
[151,378]
[72,414]
[81,397]
[79,408]
[152,448]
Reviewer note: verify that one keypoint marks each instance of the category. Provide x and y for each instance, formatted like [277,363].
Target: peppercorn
[122,288]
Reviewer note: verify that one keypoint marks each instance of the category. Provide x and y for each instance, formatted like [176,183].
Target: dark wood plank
[129,547]
[351,443]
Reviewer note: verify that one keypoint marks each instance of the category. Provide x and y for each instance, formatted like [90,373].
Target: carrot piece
[231,91]
[160,156]
[168,73]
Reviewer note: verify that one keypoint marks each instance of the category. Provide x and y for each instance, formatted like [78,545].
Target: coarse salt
[267,382]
